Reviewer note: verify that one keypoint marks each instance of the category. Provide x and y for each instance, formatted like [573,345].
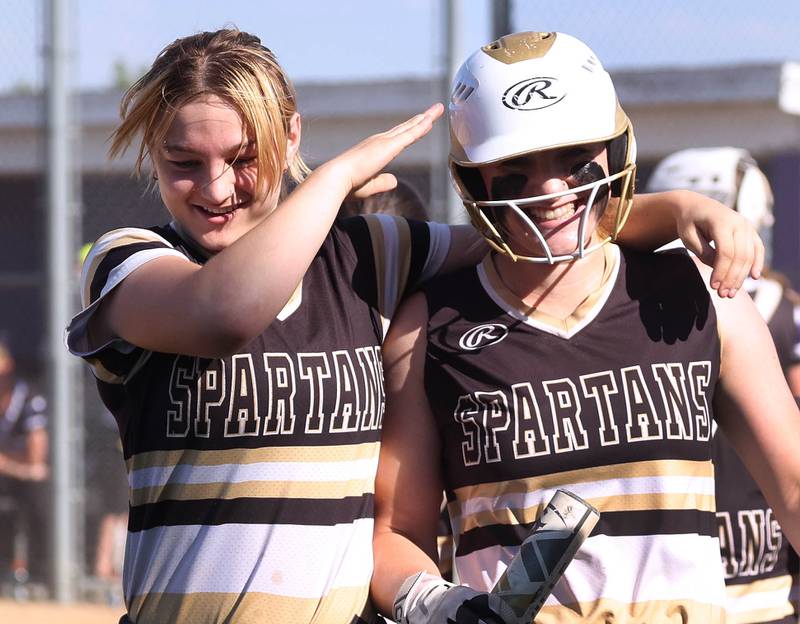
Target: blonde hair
[231,65]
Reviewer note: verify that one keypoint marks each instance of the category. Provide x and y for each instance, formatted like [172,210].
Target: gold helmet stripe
[520,46]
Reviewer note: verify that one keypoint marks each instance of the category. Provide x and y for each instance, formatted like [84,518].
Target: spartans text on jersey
[345,389]
[521,422]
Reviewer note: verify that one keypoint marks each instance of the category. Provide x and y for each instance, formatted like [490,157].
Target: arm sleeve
[113,257]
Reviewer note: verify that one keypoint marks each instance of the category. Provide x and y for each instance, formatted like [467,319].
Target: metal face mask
[508,226]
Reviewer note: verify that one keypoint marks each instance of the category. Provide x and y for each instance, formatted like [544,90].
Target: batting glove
[428,599]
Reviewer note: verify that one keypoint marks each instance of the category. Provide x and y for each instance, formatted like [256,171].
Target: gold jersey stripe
[758,616]
[390,268]
[322,454]
[294,302]
[102,373]
[339,606]
[650,468]
[404,257]
[444,548]
[650,612]
[775,584]
[379,257]
[253,489]
[628,502]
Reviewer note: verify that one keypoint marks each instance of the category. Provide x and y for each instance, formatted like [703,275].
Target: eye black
[586,173]
[508,186]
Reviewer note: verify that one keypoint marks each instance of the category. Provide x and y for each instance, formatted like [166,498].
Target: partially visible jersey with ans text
[761,568]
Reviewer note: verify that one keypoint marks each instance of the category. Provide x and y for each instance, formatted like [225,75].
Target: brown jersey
[252,476]
[612,403]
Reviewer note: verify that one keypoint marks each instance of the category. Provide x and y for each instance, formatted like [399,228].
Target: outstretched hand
[737,249]
[362,165]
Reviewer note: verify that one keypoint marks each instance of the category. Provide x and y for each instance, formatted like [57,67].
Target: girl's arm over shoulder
[467,248]
[655,220]
[659,218]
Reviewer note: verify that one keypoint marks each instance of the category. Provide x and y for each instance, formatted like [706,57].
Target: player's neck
[556,289]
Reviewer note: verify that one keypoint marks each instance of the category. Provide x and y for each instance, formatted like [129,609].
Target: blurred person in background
[565,361]
[24,472]
[239,346]
[402,201]
[761,568]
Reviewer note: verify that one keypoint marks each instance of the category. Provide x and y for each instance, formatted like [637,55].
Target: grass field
[52,613]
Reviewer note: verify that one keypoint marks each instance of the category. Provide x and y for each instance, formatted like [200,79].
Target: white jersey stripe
[78,345]
[392,260]
[110,241]
[757,600]
[262,471]
[133,262]
[262,558]
[657,573]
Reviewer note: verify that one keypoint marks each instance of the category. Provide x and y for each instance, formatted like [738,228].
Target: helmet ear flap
[617,157]
[471,181]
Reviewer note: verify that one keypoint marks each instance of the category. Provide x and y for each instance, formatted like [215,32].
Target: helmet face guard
[488,218]
[525,94]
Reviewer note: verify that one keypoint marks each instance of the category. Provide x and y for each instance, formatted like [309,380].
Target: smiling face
[555,174]
[206,169]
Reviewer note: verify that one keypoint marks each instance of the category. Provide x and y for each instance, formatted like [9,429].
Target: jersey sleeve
[112,258]
[404,254]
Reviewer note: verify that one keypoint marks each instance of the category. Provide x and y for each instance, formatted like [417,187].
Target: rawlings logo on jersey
[483,336]
[533,94]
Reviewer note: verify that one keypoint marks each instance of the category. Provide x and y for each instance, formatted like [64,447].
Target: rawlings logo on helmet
[483,336]
[533,94]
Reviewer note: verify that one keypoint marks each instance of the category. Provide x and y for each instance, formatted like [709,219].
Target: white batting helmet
[529,92]
[728,174]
